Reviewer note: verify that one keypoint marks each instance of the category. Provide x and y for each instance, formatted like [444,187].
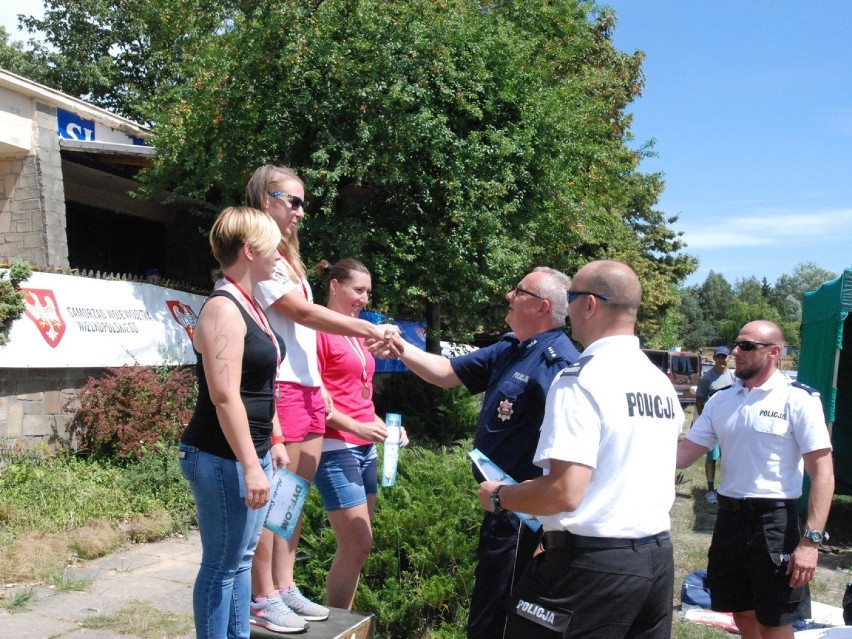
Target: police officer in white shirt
[770,429]
[607,446]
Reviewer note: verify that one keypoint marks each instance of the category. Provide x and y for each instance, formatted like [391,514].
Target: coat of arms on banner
[42,309]
[184,315]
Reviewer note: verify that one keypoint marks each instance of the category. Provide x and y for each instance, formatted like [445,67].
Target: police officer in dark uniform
[515,374]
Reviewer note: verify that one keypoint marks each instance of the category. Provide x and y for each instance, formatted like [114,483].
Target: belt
[565,539]
[753,504]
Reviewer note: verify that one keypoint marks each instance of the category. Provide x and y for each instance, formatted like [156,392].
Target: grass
[67,582]
[20,599]
[140,619]
[43,531]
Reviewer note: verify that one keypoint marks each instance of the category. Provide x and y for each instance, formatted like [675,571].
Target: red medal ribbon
[261,320]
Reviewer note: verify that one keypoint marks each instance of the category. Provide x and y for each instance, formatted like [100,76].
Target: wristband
[277,439]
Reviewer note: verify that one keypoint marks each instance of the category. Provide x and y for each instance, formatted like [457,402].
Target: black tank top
[256,390]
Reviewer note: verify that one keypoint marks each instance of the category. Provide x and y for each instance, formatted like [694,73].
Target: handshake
[389,346]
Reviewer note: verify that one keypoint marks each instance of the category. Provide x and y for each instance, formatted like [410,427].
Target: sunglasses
[523,291]
[572,295]
[748,346]
[295,202]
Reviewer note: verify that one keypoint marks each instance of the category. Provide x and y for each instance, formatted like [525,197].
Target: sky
[749,106]
[9,11]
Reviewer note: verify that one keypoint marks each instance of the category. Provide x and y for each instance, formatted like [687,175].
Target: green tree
[15,57]
[717,296]
[119,54]
[670,327]
[451,145]
[698,330]
[789,290]
[741,312]
[750,291]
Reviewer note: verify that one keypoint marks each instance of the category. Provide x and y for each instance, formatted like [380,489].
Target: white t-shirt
[619,414]
[763,433]
[299,364]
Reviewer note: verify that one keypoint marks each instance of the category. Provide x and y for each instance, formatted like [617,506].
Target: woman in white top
[302,409]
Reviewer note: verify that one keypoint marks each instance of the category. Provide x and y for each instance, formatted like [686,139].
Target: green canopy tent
[825,362]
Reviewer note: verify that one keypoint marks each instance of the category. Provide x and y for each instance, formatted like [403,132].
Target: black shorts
[606,593]
[747,565]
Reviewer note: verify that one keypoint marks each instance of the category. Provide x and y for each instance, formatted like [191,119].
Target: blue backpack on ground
[694,592]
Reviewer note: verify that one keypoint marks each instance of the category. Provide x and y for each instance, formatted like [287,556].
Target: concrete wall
[33,401]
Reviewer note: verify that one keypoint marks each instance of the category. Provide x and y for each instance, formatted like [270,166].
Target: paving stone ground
[160,574]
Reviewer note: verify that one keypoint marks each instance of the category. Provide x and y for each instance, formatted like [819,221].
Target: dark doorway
[106,241]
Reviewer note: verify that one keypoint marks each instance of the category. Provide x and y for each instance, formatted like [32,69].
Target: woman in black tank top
[225,449]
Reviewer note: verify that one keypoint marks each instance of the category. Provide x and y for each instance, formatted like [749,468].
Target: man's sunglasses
[295,202]
[748,346]
[572,295]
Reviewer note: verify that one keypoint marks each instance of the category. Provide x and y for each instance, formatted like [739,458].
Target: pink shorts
[300,410]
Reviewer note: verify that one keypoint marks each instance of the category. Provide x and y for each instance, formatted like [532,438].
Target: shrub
[155,484]
[123,414]
[419,576]
[442,416]
[11,299]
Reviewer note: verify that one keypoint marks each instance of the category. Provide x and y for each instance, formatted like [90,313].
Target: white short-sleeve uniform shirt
[763,433]
[617,413]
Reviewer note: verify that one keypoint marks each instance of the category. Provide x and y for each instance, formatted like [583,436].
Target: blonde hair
[261,182]
[237,226]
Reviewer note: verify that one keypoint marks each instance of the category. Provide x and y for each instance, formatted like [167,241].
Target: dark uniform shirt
[515,377]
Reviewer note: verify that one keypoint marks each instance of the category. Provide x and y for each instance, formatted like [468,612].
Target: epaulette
[551,356]
[574,369]
[808,389]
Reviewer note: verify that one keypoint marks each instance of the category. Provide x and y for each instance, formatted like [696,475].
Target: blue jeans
[229,532]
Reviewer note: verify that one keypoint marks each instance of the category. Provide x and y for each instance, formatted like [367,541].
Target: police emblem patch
[505,410]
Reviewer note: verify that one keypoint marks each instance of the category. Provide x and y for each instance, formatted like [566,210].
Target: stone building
[67,179]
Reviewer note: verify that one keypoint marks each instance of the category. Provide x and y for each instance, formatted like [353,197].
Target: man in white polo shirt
[770,430]
[607,446]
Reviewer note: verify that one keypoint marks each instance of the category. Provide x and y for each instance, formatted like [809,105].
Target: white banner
[79,322]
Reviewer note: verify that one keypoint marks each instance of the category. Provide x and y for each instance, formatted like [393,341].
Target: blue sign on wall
[73,127]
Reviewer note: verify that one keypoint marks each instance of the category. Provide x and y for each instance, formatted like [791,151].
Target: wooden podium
[341,624]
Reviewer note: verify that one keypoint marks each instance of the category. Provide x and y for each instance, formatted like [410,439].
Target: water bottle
[393,422]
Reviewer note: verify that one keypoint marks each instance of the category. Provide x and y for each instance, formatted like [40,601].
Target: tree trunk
[433,327]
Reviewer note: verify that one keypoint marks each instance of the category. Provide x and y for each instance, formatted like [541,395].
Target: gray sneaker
[711,497]
[303,606]
[275,615]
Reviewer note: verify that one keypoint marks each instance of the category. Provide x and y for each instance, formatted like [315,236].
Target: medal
[356,346]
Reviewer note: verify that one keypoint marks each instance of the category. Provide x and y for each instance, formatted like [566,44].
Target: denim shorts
[346,476]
